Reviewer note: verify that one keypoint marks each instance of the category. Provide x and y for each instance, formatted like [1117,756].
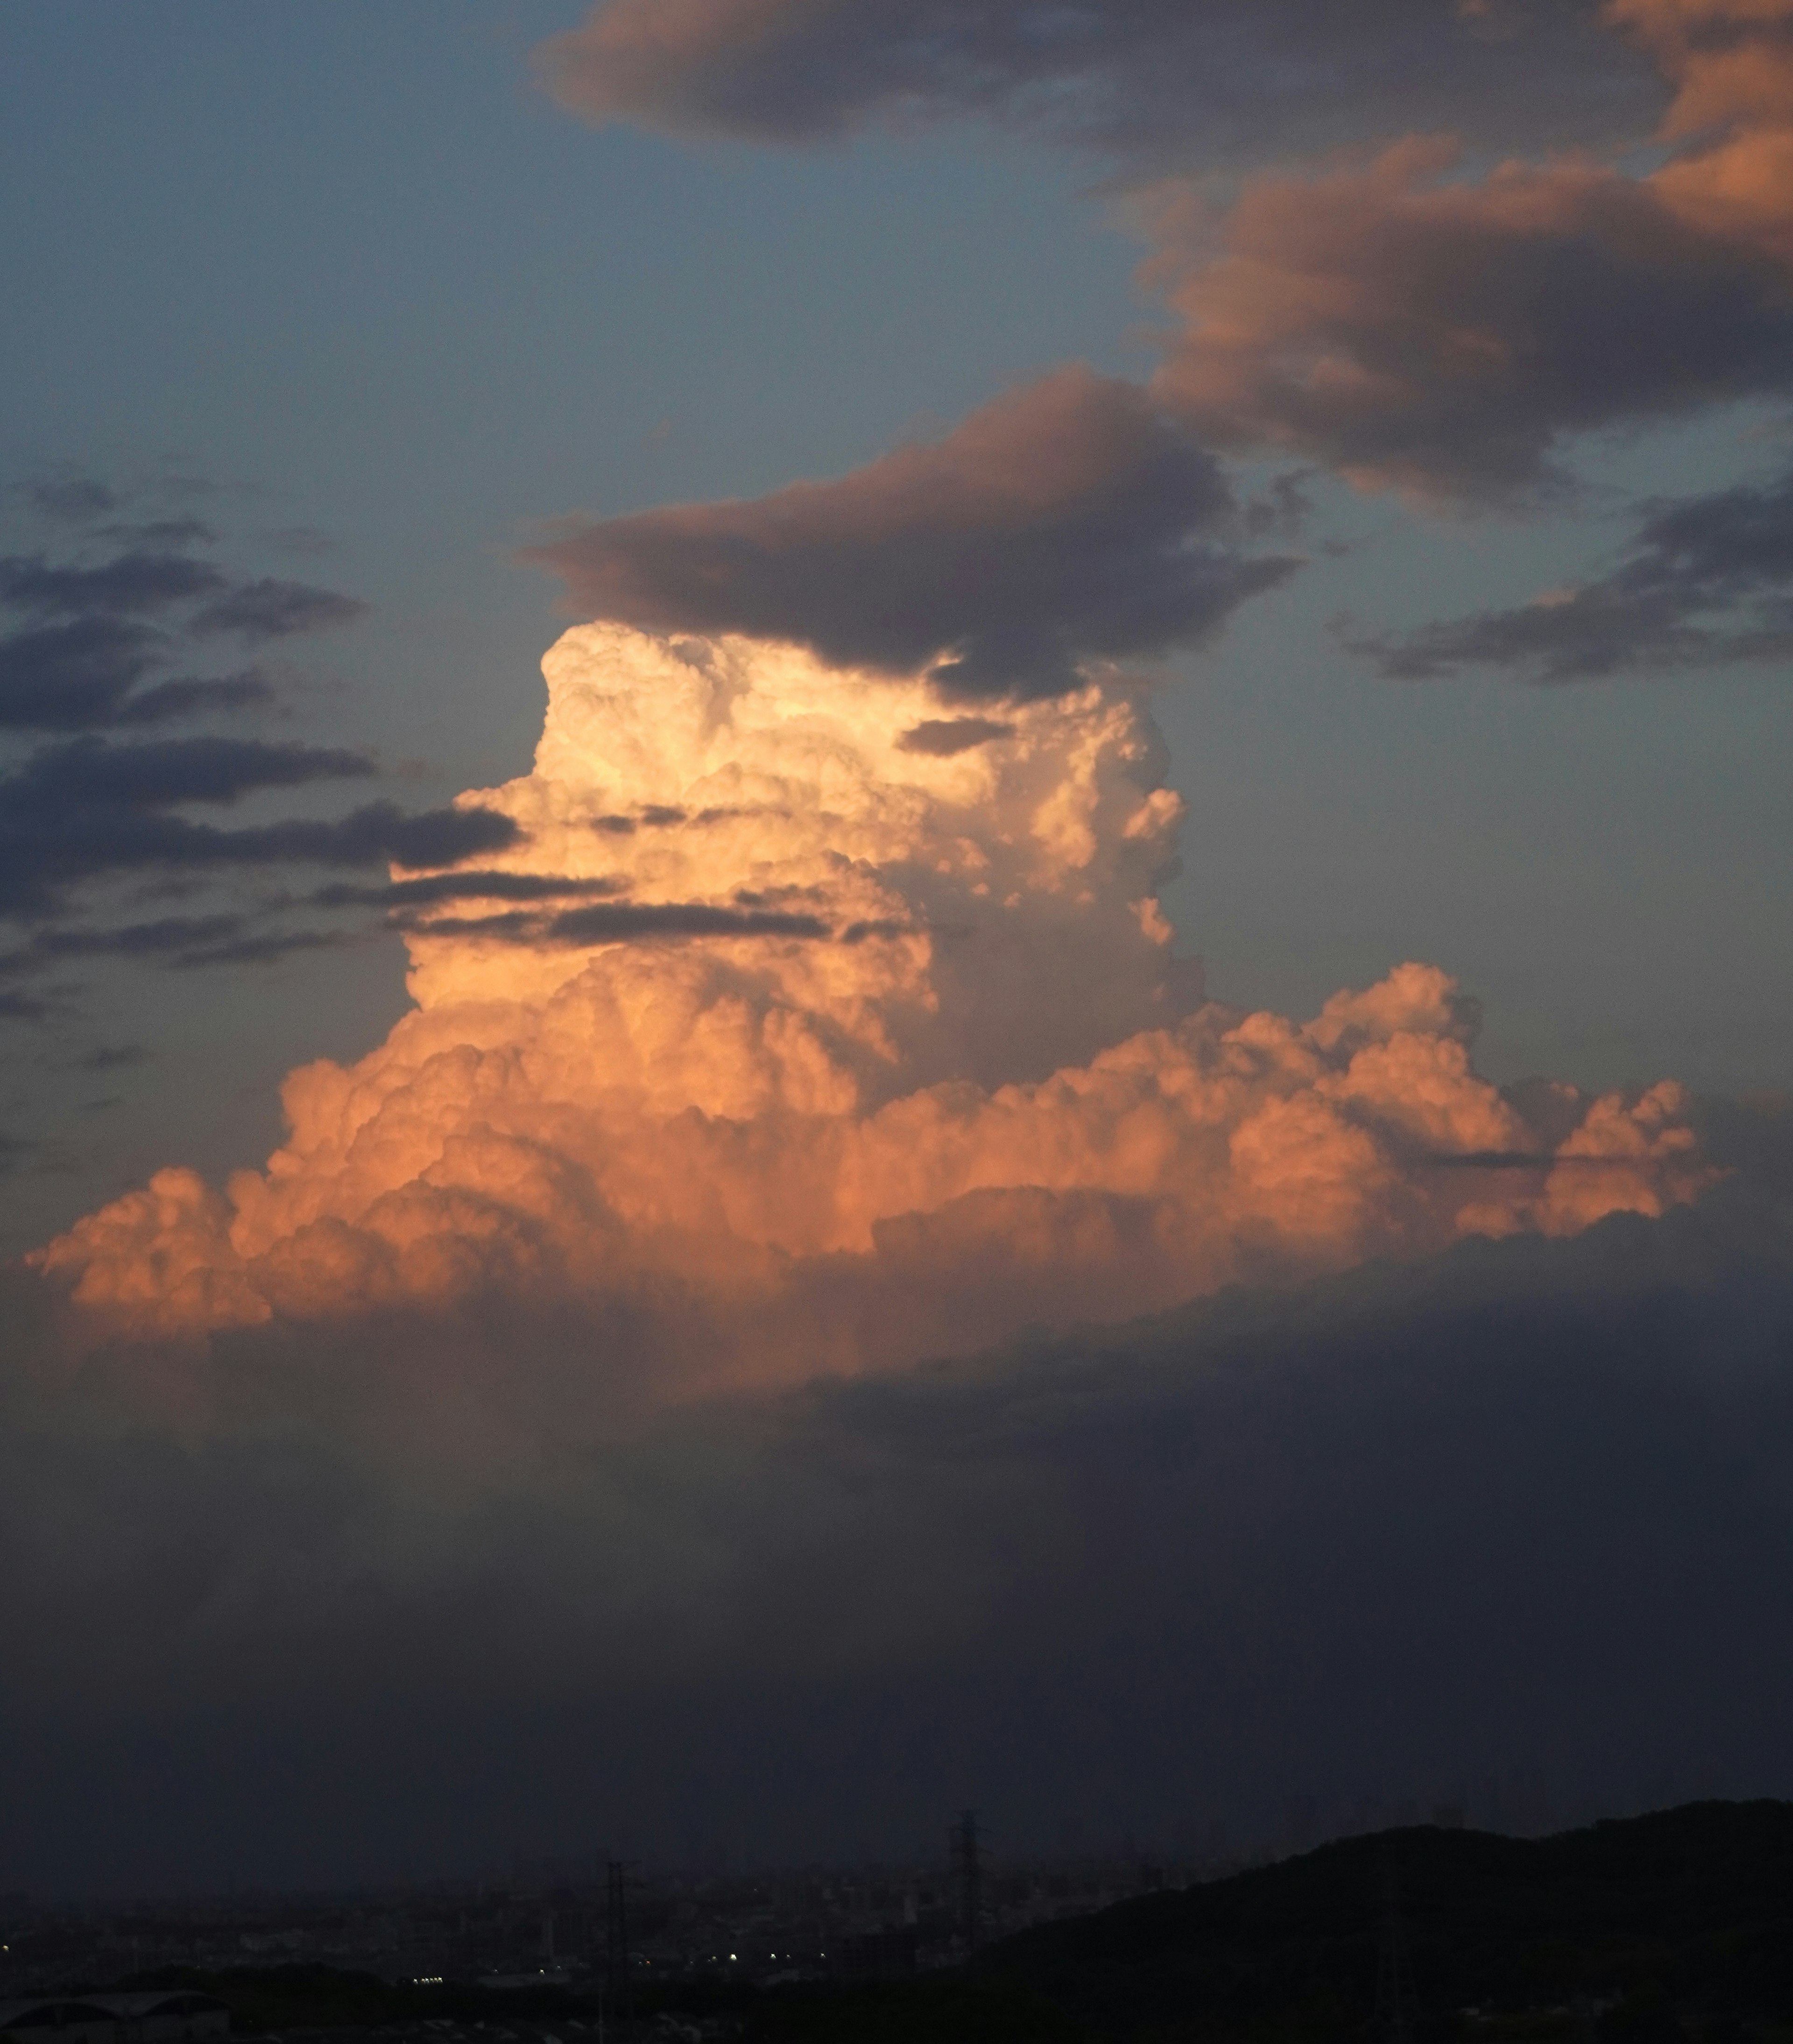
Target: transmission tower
[616,1917]
[968,1868]
[1397,2008]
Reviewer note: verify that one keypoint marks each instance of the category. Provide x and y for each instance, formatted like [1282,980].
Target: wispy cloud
[134,601]
[1707,581]
[108,619]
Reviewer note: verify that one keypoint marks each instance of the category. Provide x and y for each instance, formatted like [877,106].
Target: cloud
[1156,79]
[93,633]
[129,585]
[612,921]
[1382,1535]
[269,609]
[379,831]
[1400,327]
[260,948]
[1402,324]
[567,1347]
[167,933]
[996,1099]
[1064,523]
[71,498]
[72,677]
[1707,580]
[157,773]
[1412,318]
[91,808]
[944,736]
[484,884]
[184,941]
[624,922]
[170,701]
[90,631]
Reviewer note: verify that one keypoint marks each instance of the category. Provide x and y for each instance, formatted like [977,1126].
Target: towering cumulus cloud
[811,1024]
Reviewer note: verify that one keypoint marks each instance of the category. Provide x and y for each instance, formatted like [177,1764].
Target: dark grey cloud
[624,922]
[75,676]
[1068,522]
[95,623]
[71,499]
[480,884]
[159,533]
[1219,80]
[86,808]
[606,920]
[167,933]
[90,772]
[169,703]
[185,941]
[129,585]
[87,631]
[1705,580]
[382,831]
[943,737]
[89,809]
[83,675]
[1523,1507]
[263,946]
[269,609]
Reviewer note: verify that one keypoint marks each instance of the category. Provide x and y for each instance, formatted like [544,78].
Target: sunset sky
[893,913]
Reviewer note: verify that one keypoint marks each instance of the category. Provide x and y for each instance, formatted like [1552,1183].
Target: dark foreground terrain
[1644,1931]
[1678,1923]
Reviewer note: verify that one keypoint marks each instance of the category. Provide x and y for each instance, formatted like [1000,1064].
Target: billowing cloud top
[806,1027]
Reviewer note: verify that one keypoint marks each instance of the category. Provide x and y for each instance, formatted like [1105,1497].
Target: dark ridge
[1679,1924]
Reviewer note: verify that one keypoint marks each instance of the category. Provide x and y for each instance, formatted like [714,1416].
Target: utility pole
[1397,2008]
[968,1868]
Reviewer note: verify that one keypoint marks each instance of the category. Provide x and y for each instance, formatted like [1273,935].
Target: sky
[892,914]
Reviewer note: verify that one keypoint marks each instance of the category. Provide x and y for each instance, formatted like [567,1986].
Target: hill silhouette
[1678,1923]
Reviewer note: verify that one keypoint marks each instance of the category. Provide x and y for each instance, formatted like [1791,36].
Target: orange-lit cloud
[1156,80]
[1406,324]
[953,1082]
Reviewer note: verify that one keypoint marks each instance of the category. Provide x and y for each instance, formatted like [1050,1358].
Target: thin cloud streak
[1707,581]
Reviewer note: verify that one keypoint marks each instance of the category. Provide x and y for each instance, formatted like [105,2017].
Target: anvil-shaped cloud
[854,1035]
